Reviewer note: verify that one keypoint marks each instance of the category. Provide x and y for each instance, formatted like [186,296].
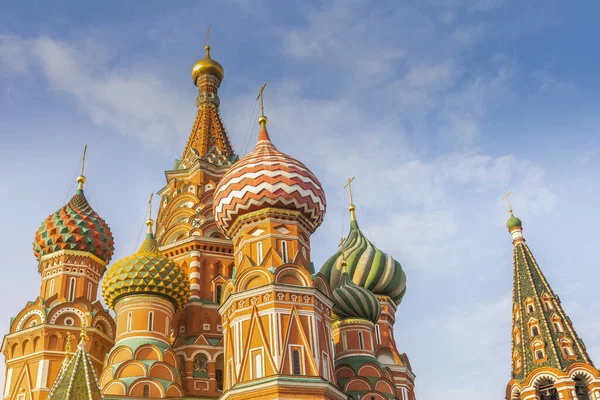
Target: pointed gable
[77,380]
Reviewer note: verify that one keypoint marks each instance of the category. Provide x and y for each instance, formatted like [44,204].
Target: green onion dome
[146,272]
[513,222]
[368,266]
[353,301]
[74,227]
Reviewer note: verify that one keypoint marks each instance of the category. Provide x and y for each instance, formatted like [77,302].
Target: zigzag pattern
[75,226]
[268,178]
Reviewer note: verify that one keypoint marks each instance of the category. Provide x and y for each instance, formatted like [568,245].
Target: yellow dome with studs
[207,66]
[146,272]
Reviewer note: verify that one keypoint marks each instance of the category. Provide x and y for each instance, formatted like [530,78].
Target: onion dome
[513,222]
[74,227]
[268,178]
[146,272]
[368,266]
[207,66]
[353,301]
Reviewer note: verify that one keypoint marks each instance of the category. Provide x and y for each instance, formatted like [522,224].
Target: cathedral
[222,300]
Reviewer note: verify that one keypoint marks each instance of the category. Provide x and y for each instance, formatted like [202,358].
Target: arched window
[530,308]
[259,253]
[361,344]
[258,366]
[200,366]
[51,290]
[219,378]
[581,389]
[284,251]
[151,321]
[72,289]
[89,291]
[568,351]
[146,391]
[129,320]
[218,292]
[557,327]
[546,390]
[181,359]
[535,331]
[548,304]
[344,341]
[539,354]
[296,362]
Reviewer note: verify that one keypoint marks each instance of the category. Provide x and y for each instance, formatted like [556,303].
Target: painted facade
[222,300]
[549,359]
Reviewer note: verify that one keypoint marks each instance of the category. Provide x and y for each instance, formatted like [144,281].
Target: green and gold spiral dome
[353,301]
[367,266]
[146,272]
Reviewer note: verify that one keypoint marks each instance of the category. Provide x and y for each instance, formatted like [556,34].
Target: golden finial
[507,198]
[83,335]
[207,46]
[150,222]
[68,346]
[341,246]
[262,119]
[81,178]
[351,208]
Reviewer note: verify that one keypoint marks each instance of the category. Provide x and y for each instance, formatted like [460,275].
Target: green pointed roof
[555,329]
[77,379]
[147,271]
[368,266]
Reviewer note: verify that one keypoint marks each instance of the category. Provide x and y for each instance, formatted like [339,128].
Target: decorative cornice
[270,212]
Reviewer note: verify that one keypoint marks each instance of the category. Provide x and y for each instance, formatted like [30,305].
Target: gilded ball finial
[80,182]
[262,120]
[207,66]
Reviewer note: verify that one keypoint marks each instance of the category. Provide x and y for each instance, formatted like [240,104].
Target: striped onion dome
[367,266]
[268,178]
[353,301]
[146,272]
[74,227]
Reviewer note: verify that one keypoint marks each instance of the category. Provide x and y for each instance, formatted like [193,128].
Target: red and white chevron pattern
[268,178]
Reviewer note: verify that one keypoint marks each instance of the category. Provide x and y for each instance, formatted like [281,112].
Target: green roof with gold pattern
[146,272]
[367,266]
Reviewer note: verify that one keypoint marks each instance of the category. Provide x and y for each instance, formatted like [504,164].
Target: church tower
[188,235]
[359,270]
[549,360]
[72,247]
[276,322]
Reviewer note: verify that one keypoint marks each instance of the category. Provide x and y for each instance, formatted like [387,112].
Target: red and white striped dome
[268,178]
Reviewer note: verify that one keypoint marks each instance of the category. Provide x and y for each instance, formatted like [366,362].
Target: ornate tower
[276,322]
[144,289]
[187,233]
[549,360]
[367,267]
[72,247]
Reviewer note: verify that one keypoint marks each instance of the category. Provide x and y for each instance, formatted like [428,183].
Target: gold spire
[81,178]
[351,207]
[68,347]
[150,222]
[262,120]
[83,335]
[507,198]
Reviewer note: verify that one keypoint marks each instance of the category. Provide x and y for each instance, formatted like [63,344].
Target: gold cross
[507,198]
[206,37]
[83,160]
[150,206]
[348,186]
[260,97]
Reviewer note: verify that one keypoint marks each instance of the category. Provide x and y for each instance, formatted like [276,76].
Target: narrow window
[151,321]
[557,327]
[167,326]
[146,391]
[325,367]
[219,378]
[259,254]
[51,291]
[218,293]
[361,344]
[296,362]
[539,355]
[378,334]
[535,331]
[332,348]
[129,319]
[284,251]
[89,293]
[530,308]
[344,341]
[72,289]
[258,373]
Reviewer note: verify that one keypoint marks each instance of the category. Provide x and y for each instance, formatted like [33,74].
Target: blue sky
[437,107]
